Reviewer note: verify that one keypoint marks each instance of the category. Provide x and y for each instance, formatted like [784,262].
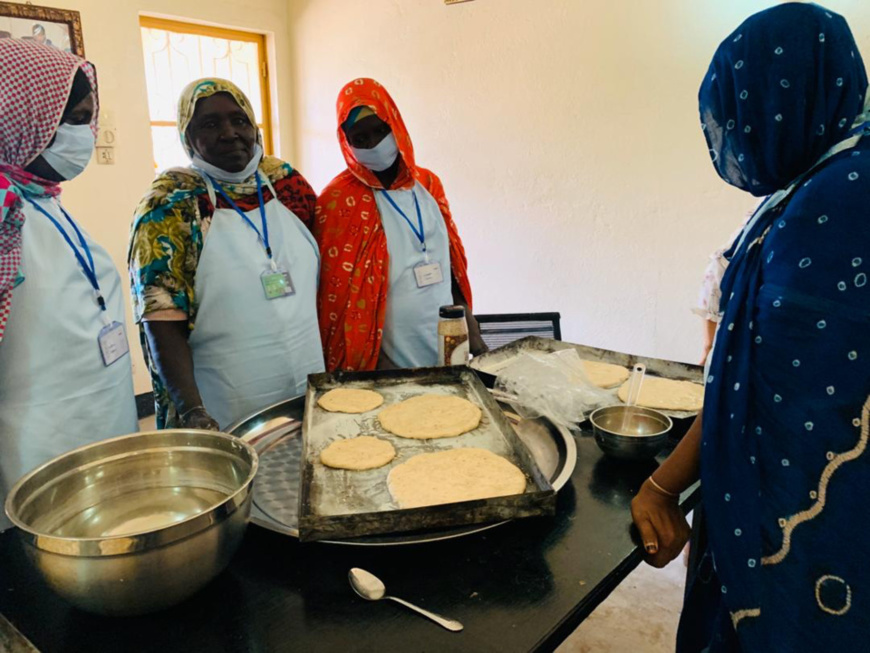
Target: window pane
[168,152]
[174,59]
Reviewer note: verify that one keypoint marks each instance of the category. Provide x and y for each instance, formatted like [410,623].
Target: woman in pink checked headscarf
[65,374]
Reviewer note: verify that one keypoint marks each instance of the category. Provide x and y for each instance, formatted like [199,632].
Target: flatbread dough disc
[430,416]
[605,375]
[350,400]
[667,394]
[430,479]
[363,452]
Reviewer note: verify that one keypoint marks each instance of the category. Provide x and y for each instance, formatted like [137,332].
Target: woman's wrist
[656,487]
[198,409]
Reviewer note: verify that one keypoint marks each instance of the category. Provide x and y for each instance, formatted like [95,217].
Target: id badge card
[428,274]
[277,283]
[113,343]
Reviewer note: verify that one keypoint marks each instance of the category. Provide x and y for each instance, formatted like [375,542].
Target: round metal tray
[276,434]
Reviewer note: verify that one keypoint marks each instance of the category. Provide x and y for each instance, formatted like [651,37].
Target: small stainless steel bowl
[644,435]
[137,523]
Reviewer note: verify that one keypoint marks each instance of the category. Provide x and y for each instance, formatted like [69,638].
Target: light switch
[106,156]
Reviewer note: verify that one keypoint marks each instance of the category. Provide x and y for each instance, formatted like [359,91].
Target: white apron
[411,324]
[55,392]
[249,351]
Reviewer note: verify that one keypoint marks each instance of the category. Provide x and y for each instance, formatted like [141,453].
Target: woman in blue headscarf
[781,446]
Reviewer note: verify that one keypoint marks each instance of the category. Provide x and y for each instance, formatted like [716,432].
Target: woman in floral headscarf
[782,445]
[391,252]
[65,374]
[224,270]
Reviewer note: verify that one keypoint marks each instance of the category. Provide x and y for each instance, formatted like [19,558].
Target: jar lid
[452,312]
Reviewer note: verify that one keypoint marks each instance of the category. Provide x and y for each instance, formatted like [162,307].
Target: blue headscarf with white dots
[781,90]
[785,477]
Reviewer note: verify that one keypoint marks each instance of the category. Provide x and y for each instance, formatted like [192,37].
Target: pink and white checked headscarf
[35,84]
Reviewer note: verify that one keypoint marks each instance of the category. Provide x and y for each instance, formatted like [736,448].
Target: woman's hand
[663,528]
[385,362]
[476,345]
[198,418]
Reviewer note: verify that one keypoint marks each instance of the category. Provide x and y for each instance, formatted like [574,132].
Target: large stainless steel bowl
[630,432]
[136,523]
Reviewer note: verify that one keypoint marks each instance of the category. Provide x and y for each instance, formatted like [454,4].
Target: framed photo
[60,28]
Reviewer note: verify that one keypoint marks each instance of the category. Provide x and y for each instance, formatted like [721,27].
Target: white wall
[566,133]
[104,197]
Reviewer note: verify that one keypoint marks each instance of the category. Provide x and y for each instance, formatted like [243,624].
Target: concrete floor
[640,616]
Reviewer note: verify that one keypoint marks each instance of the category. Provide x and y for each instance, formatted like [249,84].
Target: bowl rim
[668,423]
[132,542]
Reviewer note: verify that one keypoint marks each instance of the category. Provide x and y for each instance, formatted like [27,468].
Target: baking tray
[499,359]
[337,504]
[276,433]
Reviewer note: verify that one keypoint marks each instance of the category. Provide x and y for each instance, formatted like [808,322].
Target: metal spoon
[371,588]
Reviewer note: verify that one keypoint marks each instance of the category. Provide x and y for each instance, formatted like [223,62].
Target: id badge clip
[113,343]
[277,282]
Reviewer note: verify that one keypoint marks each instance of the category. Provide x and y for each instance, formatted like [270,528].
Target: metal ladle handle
[450,624]
[634,384]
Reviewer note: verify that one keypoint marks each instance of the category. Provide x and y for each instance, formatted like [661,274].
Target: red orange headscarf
[354,259]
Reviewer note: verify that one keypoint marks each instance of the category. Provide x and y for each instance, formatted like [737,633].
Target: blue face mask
[381,156]
[71,150]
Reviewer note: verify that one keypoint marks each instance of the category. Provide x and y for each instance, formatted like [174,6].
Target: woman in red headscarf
[390,251]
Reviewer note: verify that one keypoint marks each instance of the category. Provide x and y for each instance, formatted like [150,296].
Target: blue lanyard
[88,266]
[418,230]
[264,237]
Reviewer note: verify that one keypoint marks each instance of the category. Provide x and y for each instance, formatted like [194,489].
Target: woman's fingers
[672,540]
[648,536]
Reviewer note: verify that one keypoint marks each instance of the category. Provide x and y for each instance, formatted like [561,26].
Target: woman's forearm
[710,328]
[173,358]
[683,466]
[475,340]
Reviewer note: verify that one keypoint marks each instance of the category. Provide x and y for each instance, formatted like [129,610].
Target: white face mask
[71,150]
[230,177]
[381,156]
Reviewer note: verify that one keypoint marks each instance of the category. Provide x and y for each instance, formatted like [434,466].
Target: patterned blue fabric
[784,465]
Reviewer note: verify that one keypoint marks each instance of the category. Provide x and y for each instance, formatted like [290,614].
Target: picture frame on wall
[60,28]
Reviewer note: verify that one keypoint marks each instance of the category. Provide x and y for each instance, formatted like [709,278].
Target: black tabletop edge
[572,620]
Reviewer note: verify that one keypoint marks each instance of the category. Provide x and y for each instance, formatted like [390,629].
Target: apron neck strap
[269,185]
[212,195]
[209,187]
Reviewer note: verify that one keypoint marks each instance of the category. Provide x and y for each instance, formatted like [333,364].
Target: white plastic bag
[554,385]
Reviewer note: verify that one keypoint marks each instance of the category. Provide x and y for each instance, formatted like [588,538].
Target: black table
[520,587]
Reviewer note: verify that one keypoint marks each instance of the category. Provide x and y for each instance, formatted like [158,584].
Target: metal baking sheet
[276,434]
[336,504]
[499,359]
